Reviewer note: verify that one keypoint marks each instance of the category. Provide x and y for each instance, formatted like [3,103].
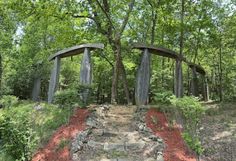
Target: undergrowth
[27,126]
[186,111]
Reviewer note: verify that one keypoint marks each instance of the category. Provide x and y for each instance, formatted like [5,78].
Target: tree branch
[131,6]
[105,12]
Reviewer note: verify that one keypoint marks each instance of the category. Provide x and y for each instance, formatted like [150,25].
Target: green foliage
[164,97]
[36,124]
[192,111]
[67,97]
[8,101]
[63,143]
[193,142]
[18,137]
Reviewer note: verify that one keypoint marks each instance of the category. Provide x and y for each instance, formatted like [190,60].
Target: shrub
[67,97]
[163,97]
[192,111]
[8,101]
[18,138]
[193,142]
[86,93]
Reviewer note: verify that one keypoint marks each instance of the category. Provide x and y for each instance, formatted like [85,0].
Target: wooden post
[86,74]
[194,82]
[53,84]
[36,89]
[205,89]
[178,79]
[143,79]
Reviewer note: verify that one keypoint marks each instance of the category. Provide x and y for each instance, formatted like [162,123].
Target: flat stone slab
[95,145]
[114,146]
[134,146]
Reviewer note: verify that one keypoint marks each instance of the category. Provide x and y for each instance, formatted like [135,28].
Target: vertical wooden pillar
[194,82]
[53,84]
[178,79]
[36,89]
[86,74]
[143,79]
[205,89]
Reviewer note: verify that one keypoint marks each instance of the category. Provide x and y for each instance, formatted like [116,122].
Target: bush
[18,138]
[67,98]
[192,111]
[163,97]
[193,142]
[8,101]
[32,124]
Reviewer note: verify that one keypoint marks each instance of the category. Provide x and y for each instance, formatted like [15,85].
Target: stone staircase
[117,133]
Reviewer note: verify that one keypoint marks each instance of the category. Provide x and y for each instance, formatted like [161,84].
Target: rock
[108,159]
[91,122]
[154,138]
[150,159]
[160,157]
[122,159]
[95,145]
[134,146]
[114,146]
[151,150]
[98,132]
[141,126]
[80,139]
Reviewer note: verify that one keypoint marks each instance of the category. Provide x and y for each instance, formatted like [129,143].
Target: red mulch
[68,132]
[176,149]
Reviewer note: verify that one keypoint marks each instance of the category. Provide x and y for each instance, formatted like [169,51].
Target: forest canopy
[203,31]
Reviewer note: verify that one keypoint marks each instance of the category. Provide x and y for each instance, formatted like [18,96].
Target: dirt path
[175,147]
[218,132]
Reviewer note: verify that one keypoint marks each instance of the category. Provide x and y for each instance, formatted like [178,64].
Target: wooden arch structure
[194,82]
[144,71]
[85,69]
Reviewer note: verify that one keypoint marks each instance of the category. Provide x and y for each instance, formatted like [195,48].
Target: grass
[44,121]
[63,143]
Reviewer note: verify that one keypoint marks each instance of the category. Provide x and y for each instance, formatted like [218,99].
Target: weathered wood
[157,50]
[194,82]
[86,74]
[54,79]
[205,89]
[75,50]
[198,68]
[143,79]
[36,89]
[178,79]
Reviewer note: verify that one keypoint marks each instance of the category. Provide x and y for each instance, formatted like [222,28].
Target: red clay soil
[176,149]
[51,152]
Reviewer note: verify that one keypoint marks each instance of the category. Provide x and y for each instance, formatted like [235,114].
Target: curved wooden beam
[158,50]
[75,50]
[168,53]
[198,68]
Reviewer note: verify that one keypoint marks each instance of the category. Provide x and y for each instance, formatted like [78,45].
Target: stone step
[119,146]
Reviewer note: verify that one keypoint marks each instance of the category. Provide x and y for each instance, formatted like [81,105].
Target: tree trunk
[179,73]
[125,82]
[220,72]
[115,78]
[1,71]
[119,69]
